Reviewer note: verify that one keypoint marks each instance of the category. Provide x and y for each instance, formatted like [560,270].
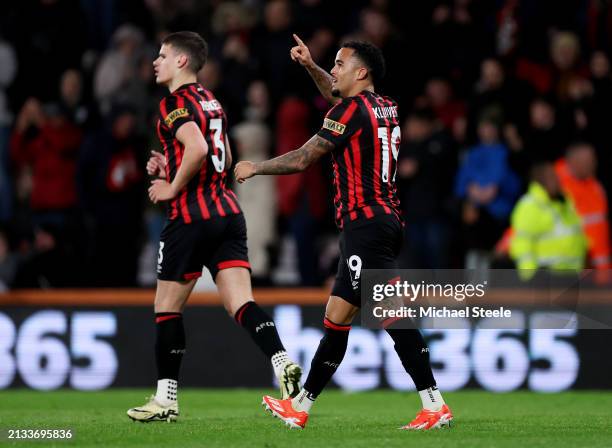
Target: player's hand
[300,53]
[160,190]
[244,170]
[156,165]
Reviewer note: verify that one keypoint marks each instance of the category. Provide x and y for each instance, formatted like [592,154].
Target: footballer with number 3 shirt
[361,132]
[205,226]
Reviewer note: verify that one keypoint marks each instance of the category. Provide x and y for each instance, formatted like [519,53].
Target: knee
[167,304]
[231,312]
[229,309]
[340,317]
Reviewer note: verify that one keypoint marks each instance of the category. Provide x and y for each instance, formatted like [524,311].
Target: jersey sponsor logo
[175,115]
[385,112]
[334,126]
[208,106]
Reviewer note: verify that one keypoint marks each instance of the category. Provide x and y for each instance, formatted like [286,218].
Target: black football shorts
[217,243]
[366,244]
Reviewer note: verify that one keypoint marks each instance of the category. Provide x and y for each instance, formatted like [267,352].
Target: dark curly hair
[371,56]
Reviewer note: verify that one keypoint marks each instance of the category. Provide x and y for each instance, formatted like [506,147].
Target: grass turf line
[233,418]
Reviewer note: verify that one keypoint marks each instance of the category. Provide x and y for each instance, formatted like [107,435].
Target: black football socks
[328,357]
[261,328]
[414,354]
[169,351]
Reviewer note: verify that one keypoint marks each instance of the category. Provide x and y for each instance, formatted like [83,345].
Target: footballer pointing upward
[362,134]
[204,227]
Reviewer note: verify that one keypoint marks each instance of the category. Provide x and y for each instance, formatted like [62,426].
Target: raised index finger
[298,40]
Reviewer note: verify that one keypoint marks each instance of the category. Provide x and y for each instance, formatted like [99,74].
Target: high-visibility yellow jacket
[547,233]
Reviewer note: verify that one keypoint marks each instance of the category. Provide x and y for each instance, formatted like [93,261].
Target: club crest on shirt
[334,126]
[175,115]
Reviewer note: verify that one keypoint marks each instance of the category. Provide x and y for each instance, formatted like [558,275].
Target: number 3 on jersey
[216,124]
[383,135]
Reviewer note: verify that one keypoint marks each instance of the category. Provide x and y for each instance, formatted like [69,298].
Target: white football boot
[289,380]
[152,411]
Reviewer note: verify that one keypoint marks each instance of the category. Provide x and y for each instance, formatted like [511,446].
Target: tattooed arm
[293,162]
[322,79]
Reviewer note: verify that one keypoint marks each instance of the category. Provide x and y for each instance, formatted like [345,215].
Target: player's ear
[182,60]
[362,74]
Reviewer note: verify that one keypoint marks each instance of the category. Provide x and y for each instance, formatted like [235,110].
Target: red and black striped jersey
[365,130]
[206,194]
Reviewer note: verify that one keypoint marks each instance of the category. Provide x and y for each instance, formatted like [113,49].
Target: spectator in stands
[112,186]
[301,197]
[601,81]
[487,189]
[599,116]
[44,148]
[546,230]
[576,173]
[566,63]
[507,31]
[509,99]
[272,39]
[8,263]
[427,163]
[258,102]
[376,27]
[458,41]
[439,97]
[545,137]
[211,77]
[321,44]
[494,90]
[230,46]
[257,200]
[8,71]
[118,66]
[553,77]
[71,98]
[578,105]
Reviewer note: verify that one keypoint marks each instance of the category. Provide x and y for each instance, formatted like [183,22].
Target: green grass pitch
[228,418]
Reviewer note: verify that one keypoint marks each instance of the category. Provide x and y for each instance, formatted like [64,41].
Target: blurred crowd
[502,102]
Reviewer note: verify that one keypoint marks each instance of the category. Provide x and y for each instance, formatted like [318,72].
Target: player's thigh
[230,248]
[171,296]
[369,244]
[340,311]
[234,285]
[180,256]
